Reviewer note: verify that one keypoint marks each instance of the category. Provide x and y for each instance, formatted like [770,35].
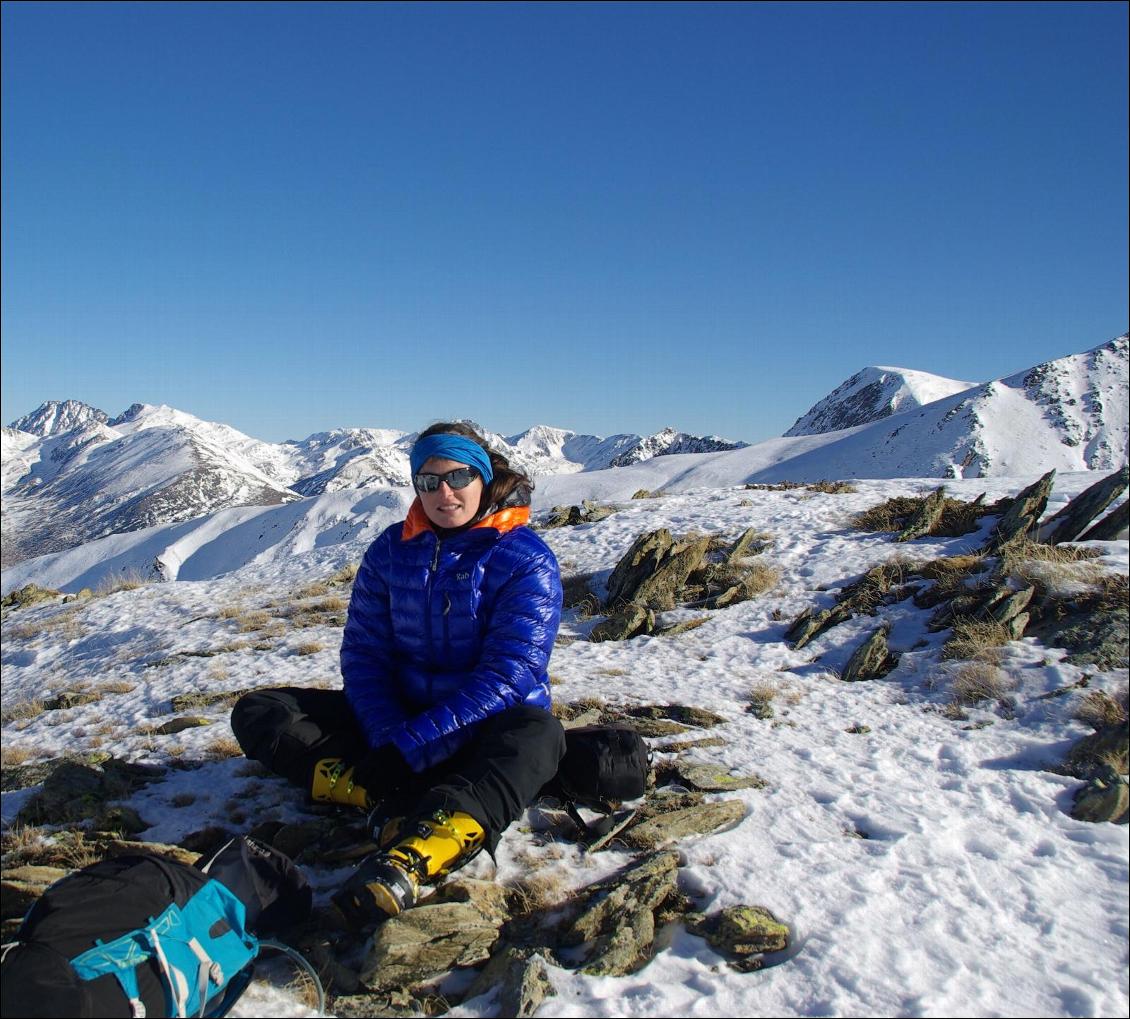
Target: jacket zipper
[428,604]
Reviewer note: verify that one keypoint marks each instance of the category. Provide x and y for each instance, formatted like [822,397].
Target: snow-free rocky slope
[927,863]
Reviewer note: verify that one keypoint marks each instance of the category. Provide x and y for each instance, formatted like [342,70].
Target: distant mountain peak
[58,416]
[872,394]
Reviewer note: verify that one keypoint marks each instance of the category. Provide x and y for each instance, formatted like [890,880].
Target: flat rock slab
[670,827]
[425,942]
[710,778]
[677,746]
[688,715]
[175,725]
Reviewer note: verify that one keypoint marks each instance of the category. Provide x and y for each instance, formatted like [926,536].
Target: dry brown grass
[314,590]
[543,889]
[975,682]
[761,699]
[117,686]
[950,571]
[222,748]
[11,756]
[571,709]
[760,577]
[958,517]
[1036,551]
[1099,709]
[250,622]
[1059,578]
[231,612]
[976,639]
[832,487]
[63,625]
[75,851]
[183,800]
[311,647]
[345,575]
[20,841]
[128,580]
[21,711]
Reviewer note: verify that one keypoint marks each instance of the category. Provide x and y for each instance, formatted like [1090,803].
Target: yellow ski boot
[388,883]
[333,783]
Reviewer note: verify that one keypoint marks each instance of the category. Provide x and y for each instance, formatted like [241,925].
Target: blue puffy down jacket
[443,633]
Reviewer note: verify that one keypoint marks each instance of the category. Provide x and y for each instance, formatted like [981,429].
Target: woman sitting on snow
[443,728]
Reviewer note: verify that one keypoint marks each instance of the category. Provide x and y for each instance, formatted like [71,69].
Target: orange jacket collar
[503,520]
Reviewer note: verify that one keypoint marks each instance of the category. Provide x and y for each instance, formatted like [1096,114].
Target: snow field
[927,867]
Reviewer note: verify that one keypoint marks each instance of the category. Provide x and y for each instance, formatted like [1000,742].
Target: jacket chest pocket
[458,601]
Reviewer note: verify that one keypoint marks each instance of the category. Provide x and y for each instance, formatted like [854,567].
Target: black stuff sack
[603,767]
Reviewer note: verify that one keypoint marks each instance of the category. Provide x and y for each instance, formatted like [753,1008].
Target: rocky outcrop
[588,512]
[29,594]
[659,572]
[871,659]
[76,790]
[700,819]
[424,942]
[615,922]
[1112,527]
[1021,515]
[742,934]
[1071,521]
[1105,797]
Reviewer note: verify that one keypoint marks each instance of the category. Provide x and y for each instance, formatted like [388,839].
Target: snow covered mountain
[98,479]
[1070,414]
[71,473]
[55,417]
[873,394]
[156,465]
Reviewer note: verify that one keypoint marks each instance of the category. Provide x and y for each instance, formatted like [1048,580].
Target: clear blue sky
[604,217]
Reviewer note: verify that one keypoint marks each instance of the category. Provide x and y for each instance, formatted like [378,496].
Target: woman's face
[450,507]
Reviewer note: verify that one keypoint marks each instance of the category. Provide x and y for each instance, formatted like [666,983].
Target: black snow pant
[493,778]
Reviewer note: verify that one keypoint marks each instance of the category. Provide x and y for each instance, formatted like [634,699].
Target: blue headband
[448,446]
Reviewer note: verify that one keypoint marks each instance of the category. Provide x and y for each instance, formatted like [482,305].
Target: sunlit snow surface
[973,892]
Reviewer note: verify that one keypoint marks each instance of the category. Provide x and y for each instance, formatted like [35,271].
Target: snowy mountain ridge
[158,465]
[872,394]
[62,488]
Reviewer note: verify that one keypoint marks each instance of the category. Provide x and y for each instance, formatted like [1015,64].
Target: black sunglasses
[461,477]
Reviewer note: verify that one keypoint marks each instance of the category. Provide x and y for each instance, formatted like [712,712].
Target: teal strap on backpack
[196,964]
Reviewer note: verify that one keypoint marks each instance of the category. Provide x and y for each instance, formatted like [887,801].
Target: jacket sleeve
[367,668]
[519,638]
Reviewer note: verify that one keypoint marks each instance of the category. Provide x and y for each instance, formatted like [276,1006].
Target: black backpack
[142,935]
[603,766]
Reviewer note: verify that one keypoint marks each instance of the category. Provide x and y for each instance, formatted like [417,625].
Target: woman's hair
[509,483]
